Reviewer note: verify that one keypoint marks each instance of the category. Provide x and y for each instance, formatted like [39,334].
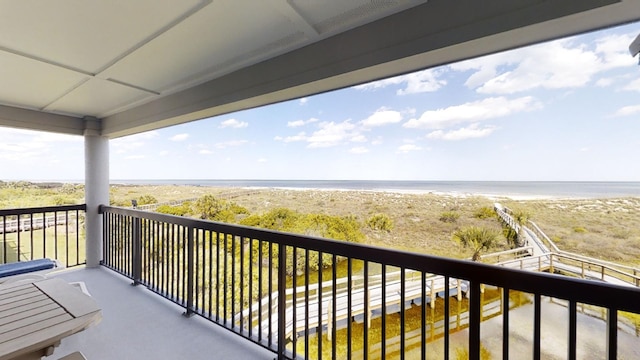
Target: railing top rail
[33,210]
[584,291]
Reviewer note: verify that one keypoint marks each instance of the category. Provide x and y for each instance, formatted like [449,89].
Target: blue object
[24,267]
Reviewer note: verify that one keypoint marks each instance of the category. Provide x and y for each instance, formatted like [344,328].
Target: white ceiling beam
[36,120]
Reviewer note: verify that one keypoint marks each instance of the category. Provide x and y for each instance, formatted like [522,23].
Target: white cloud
[134,157]
[233,123]
[304,100]
[377,141]
[262,160]
[299,137]
[382,117]
[331,134]
[628,110]
[633,86]
[406,148]
[473,131]
[488,108]
[417,82]
[299,123]
[128,143]
[163,153]
[358,138]
[179,137]
[359,150]
[205,152]
[230,143]
[553,65]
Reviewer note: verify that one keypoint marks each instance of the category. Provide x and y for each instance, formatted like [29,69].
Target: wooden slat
[24,305]
[24,323]
[73,300]
[44,335]
[22,296]
[17,314]
[21,302]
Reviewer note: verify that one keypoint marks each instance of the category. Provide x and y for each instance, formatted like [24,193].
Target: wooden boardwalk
[310,309]
[318,314]
[28,224]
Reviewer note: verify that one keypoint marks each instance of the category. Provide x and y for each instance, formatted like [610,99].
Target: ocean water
[514,189]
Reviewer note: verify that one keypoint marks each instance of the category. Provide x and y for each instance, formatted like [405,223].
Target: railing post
[137,251]
[282,300]
[474,320]
[190,272]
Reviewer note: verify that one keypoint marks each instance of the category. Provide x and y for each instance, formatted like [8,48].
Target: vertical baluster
[349,304]
[573,315]
[505,323]
[319,328]
[334,304]
[612,334]
[446,316]
[537,316]
[306,304]
[474,320]
[270,277]
[423,315]
[294,302]
[282,299]
[383,320]
[365,335]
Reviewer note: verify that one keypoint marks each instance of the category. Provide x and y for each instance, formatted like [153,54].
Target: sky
[566,110]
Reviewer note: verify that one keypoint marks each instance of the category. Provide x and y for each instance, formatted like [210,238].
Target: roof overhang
[189,60]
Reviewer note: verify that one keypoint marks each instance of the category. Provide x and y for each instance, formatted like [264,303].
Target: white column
[96,190]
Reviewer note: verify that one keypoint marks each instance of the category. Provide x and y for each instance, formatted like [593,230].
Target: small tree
[522,218]
[475,238]
[147,199]
[380,222]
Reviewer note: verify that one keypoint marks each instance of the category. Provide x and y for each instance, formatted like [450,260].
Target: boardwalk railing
[45,232]
[217,270]
[565,262]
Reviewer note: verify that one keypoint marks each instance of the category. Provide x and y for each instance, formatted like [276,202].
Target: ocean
[514,189]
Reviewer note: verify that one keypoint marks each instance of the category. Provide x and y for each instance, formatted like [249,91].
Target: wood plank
[31,295]
[25,315]
[25,305]
[9,296]
[69,297]
[38,322]
[46,336]
[21,302]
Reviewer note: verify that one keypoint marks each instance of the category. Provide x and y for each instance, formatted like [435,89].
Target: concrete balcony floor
[138,324]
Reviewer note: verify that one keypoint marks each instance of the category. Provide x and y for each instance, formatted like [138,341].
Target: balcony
[236,287]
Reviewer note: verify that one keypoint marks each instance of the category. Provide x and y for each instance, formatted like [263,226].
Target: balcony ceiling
[145,64]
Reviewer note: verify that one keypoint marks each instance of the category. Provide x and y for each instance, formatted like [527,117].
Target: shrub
[579,229]
[179,210]
[475,238]
[380,222]
[485,212]
[449,216]
[146,200]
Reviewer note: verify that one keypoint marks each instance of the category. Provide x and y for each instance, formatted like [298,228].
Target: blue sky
[563,110]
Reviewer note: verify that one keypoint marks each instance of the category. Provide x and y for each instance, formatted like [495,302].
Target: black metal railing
[55,232]
[262,286]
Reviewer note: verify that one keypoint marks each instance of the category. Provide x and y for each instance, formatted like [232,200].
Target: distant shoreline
[516,190]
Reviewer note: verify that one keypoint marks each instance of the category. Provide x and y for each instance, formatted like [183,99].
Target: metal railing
[55,232]
[218,270]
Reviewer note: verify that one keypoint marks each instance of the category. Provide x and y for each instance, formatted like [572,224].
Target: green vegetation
[478,239]
[380,222]
[449,216]
[147,199]
[485,212]
[580,229]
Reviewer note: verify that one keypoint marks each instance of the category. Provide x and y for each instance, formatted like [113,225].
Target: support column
[96,190]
